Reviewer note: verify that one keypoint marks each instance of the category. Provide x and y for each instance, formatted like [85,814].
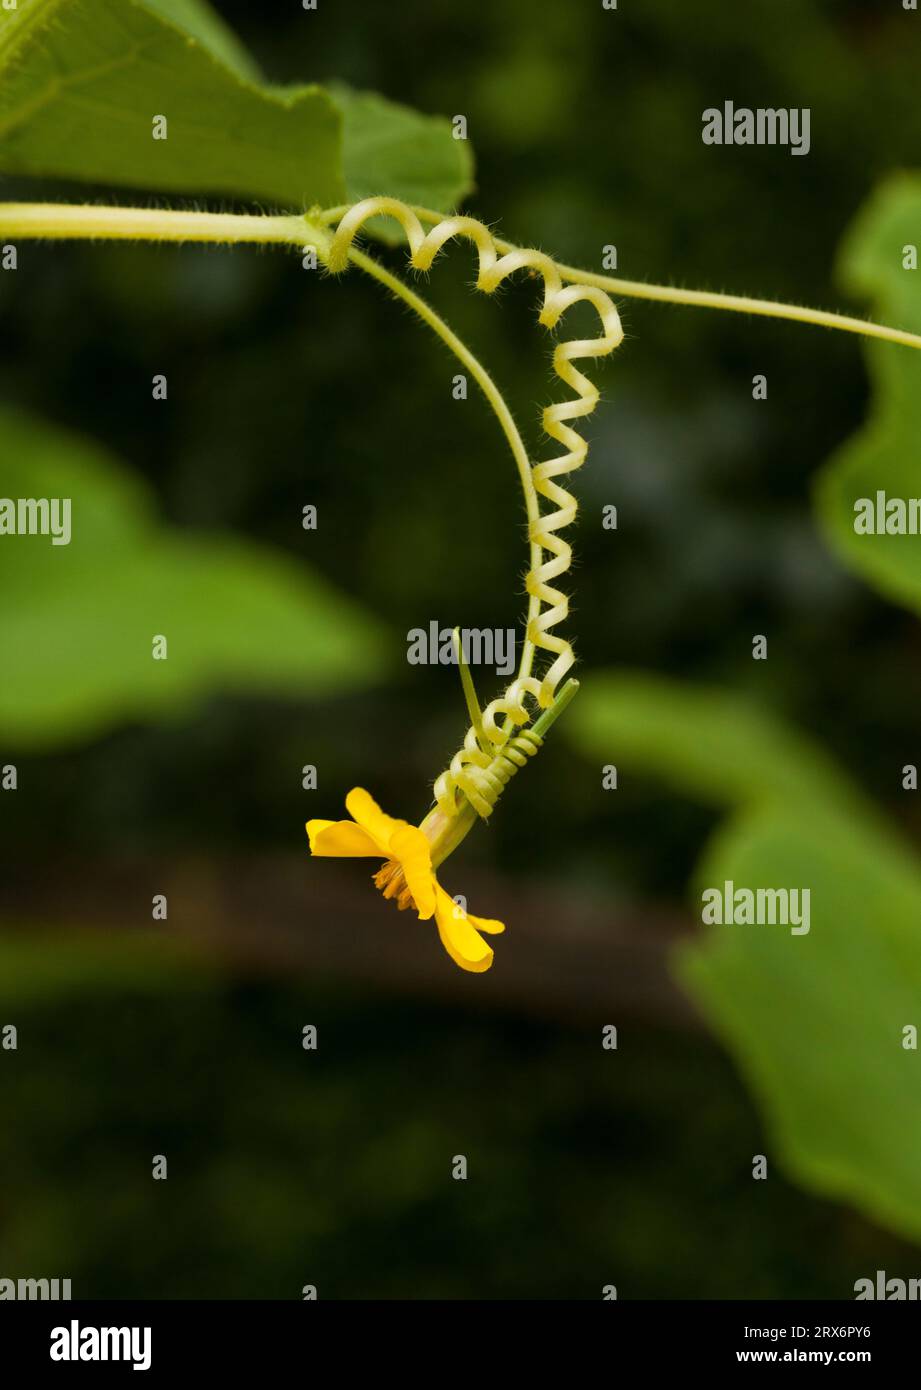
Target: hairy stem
[60,220]
[700,299]
[63,221]
[741,304]
[497,404]
[87,222]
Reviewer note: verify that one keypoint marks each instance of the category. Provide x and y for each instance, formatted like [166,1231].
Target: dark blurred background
[587,1167]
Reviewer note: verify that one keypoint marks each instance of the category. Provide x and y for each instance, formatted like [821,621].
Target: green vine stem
[492,750]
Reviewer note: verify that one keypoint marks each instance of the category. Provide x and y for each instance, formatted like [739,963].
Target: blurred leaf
[78,620]
[815,1020]
[883,456]
[43,963]
[82,80]
[703,739]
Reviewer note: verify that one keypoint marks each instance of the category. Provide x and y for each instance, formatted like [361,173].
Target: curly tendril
[480,773]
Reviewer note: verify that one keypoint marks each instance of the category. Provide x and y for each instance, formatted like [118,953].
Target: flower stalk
[502,738]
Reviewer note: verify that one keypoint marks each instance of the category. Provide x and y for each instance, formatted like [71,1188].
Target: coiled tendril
[480,773]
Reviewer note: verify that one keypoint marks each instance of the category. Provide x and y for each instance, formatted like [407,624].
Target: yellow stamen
[392,884]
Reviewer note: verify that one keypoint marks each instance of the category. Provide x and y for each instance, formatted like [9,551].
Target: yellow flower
[407,875]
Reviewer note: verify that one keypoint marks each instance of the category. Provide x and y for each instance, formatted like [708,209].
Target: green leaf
[883,456]
[78,621]
[815,1019]
[705,740]
[392,149]
[82,80]
[198,20]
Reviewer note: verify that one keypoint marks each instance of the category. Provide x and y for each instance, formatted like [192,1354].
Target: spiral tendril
[484,790]
[481,774]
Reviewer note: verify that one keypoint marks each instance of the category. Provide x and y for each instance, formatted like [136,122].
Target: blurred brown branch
[561,955]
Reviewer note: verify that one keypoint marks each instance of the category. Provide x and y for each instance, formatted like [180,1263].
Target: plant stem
[93,221]
[496,401]
[446,833]
[65,221]
[697,299]
[549,717]
[470,695]
[739,304]
[89,221]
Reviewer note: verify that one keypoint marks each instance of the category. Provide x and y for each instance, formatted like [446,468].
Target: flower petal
[487,924]
[342,838]
[362,807]
[414,853]
[462,942]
